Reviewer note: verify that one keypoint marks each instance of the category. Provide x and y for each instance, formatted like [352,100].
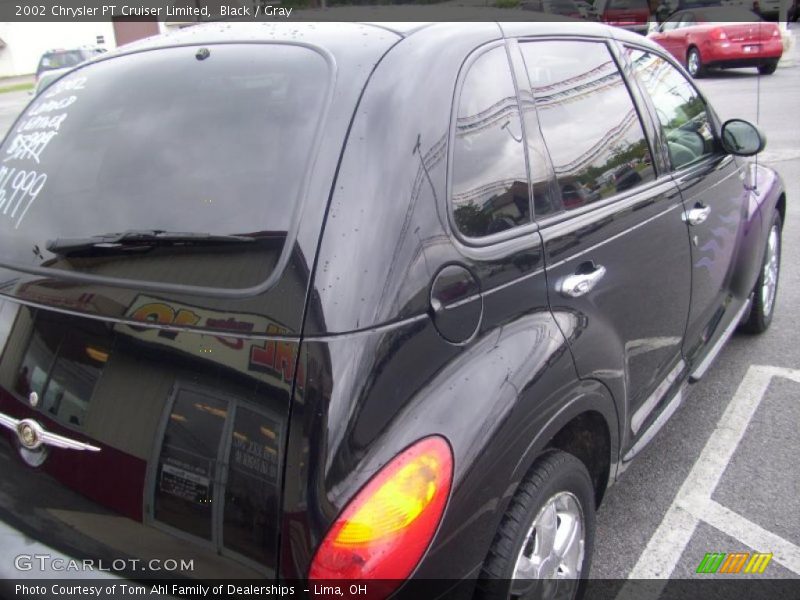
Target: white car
[55,63]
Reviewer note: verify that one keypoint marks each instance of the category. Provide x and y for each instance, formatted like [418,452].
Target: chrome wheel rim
[770,273]
[552,551]
[694,63]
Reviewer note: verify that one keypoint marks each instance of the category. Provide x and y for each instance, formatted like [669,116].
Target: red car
[633,15]
[705,38]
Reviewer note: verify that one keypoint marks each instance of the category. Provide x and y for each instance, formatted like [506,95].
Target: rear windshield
[628,5]
[211,142]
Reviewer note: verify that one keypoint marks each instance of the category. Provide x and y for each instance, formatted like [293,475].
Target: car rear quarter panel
[379,374]
[760,205]
[498,401]
[386,231]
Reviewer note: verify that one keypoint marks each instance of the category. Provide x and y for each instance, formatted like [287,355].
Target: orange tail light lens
[384,531]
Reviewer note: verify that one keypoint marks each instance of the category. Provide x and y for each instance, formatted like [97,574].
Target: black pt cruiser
[341,301]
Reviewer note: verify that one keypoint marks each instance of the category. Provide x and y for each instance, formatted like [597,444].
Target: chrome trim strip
[702,368]
[651,431]
[647,407]
[388,326]
[38,435]
[508,284]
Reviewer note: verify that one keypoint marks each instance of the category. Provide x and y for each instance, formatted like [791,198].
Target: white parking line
[752,535]
[693,502]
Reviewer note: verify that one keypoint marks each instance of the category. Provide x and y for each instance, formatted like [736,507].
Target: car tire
[543,547]
[694,63]
[768,69]
[766,288]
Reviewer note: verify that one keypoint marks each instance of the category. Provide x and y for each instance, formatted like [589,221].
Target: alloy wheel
[553,548]
[693,63]
[770,275]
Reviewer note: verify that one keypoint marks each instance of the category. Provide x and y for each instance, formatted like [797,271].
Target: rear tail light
[384,531]
[718,34]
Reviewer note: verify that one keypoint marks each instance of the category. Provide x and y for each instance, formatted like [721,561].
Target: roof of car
[320,33]
[722,13]
[400,28]
[338,35]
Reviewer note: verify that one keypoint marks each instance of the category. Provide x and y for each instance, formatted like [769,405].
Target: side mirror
[742,138]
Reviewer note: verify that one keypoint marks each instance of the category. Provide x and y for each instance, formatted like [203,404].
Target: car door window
[489,192]
[588,120]
[682,113]
[670,24]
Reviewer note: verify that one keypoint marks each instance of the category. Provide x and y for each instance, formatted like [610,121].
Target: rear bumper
[742,62]
[737,54]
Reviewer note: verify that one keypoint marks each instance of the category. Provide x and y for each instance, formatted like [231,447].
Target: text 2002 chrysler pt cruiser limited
[349,301]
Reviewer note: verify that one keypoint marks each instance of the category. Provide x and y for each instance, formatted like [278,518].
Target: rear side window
[182,140]
[589,122]
[681,111]
[489,190]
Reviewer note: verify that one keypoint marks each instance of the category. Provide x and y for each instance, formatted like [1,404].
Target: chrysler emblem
[34,399]
[31,435]
[28,434]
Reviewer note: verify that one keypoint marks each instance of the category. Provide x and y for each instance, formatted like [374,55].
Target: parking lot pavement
[712,493]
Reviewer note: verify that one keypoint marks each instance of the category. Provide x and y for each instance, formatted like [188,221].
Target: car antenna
[754,170]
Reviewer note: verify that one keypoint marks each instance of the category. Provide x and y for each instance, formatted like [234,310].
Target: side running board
[704,365]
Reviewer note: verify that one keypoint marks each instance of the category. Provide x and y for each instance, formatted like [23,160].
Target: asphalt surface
[760,481]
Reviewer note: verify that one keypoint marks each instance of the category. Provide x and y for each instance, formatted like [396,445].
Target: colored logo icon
[736,562]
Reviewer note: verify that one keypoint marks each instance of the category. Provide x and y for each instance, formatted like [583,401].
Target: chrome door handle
[574,286]
[697,215]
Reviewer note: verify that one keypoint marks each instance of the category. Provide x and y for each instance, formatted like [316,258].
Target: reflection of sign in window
[179,482]
[254,458]
[269,360]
